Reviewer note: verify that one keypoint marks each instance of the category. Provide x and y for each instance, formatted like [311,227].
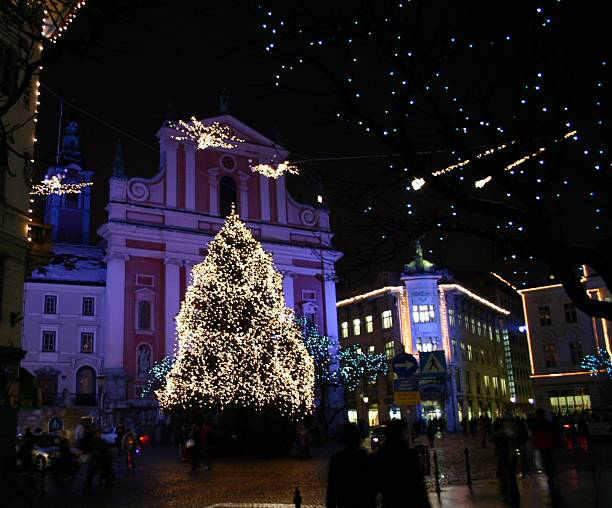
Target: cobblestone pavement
[161,481]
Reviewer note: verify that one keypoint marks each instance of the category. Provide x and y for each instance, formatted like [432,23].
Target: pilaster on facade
[244,194]
[190,176]
[264,197]
[281,199]
[170,149]
[172,300]
[115,309]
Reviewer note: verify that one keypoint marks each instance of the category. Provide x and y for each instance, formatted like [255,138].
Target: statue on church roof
[118,165]
[70,152]
[419,264]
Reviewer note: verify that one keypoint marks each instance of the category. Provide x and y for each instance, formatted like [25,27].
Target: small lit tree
[238,343]
[156,377]
[598,364]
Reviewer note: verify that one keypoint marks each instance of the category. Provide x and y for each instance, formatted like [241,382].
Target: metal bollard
[467,466]
[297,498]
[436,472]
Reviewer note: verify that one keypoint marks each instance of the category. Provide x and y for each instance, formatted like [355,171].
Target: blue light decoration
[156,377]
[598,364]
[349,367]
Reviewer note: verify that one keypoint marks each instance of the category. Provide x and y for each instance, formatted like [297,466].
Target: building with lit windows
[559,335]
[421,310]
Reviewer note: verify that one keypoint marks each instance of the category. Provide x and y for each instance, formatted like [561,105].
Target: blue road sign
[433,364]
[405,365]
[410,384]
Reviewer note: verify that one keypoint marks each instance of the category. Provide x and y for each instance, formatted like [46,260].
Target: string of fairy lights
[57,16]
[297,40]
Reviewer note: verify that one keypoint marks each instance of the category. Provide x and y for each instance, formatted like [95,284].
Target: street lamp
[100,384]
[531,401]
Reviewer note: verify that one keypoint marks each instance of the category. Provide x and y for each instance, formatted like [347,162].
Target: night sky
[142,56]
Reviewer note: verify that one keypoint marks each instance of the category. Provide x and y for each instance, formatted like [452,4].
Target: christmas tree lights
[213,135]
[238,343]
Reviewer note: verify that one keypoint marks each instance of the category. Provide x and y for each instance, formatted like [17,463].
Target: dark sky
[140,55]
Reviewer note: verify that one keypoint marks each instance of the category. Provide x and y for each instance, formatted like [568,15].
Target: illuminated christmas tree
[238,343]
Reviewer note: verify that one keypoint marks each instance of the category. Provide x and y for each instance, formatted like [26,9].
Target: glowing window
[357,326]
[387,319]
[344,329]
[369,324]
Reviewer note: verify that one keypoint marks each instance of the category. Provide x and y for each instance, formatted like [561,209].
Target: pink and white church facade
[159,227]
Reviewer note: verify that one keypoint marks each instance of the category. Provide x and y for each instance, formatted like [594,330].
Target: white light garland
[54,185]
[213,135]
[275,170]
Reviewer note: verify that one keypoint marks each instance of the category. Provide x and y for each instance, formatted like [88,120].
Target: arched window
[228,195]
[71,200]
[86,387]
[144,315]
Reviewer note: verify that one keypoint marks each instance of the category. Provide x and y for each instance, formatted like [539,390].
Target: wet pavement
[160,480]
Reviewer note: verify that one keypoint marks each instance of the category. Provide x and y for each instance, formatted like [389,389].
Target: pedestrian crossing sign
[433,364]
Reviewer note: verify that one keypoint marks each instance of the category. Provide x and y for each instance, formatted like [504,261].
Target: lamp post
[365,399]
[101,392]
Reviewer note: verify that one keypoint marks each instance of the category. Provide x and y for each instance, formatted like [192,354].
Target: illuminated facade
[157,229]
[559,335]
[423,310]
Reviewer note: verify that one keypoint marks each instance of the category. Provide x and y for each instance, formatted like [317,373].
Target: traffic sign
[433,364]
[410,384]
[406,398]
[405,365]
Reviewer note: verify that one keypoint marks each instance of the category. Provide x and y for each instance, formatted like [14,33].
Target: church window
[71,200]
[228,195]
[144,315]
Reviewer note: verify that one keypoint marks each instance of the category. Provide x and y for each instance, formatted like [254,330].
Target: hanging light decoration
[213,135]
[54,185]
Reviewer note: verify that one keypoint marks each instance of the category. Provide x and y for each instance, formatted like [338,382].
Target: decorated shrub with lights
[238,343]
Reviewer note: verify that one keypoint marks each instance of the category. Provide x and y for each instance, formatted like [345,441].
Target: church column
[114,320]
[213,188]
[281,199]
[172,300]
[170,148]
[190,176]
[264,197]
[244,195]
[331,314]
[288,288]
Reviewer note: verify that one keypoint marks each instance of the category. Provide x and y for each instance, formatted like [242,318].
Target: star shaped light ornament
[213,135]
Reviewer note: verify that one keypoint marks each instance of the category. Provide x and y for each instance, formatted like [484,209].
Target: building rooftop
[73,264]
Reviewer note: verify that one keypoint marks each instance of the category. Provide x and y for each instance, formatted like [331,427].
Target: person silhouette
[349,483]
[396,464]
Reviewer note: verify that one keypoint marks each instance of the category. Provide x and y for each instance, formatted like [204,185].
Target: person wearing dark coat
[398,477]
[349,483]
